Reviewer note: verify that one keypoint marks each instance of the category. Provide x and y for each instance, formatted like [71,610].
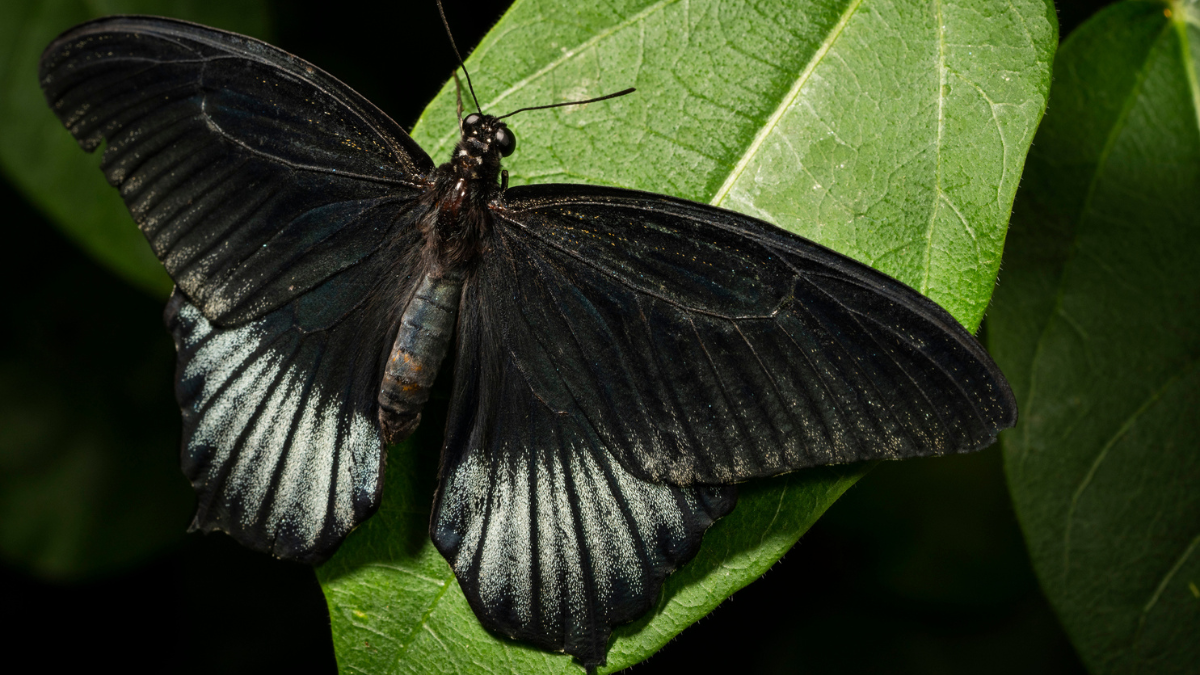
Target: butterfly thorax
[456,220]
[457,217]
[456,223]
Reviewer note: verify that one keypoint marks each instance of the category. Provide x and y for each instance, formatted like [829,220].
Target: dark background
[920,568]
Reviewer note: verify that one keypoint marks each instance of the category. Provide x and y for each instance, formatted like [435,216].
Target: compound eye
[506,142]
[471,122]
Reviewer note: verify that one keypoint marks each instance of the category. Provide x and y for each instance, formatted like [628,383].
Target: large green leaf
[44,161]
[89,479]
[1096,323]
[892,131]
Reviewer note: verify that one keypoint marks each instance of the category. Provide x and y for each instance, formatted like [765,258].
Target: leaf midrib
[785,104]
[1180,19]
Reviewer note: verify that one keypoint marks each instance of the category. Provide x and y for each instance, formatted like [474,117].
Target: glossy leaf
[894,132]
[44,161]
[1095,324]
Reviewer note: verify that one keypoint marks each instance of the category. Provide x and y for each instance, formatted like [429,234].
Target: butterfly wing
[254,175]
[281,437]
[553,541]
[283,205]
[621,352]
[705,346]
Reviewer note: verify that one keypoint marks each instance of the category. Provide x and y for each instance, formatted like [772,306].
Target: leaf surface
[892,131]
[1095,324]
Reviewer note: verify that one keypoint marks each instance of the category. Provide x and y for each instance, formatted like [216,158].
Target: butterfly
[622,359]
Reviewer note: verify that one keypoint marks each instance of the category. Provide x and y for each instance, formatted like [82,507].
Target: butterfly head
[485,139]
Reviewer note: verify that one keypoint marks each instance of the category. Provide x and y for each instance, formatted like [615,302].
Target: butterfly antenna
[559,105]
[458,97]
[459,55]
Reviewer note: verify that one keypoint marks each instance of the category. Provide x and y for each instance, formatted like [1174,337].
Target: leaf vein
[424,623]
[1162,586]
[1124,429]
[786,104]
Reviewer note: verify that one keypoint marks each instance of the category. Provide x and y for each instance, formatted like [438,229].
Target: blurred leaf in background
[89,476]
[1096,324]
[894,133]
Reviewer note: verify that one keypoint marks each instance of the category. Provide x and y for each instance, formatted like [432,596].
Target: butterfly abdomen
[422,340]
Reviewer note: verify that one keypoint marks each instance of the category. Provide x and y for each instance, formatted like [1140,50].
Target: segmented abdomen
[426,328]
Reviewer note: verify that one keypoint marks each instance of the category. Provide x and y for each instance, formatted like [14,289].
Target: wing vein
[783,400]
[736,419]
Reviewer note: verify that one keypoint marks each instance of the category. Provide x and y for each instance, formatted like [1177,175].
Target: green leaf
[1096,324]
[42,159]
[894,132]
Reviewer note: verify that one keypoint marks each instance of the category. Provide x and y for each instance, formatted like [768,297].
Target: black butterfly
[622,358]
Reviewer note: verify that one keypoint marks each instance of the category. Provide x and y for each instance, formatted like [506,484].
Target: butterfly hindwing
[553,541]
[254,175]
[704,346]
[281,437]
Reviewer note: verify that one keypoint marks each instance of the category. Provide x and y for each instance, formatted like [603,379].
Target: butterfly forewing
[704,346]
[254,175]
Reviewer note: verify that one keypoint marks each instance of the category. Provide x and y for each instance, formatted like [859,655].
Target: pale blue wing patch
[553,541]
[280,441]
